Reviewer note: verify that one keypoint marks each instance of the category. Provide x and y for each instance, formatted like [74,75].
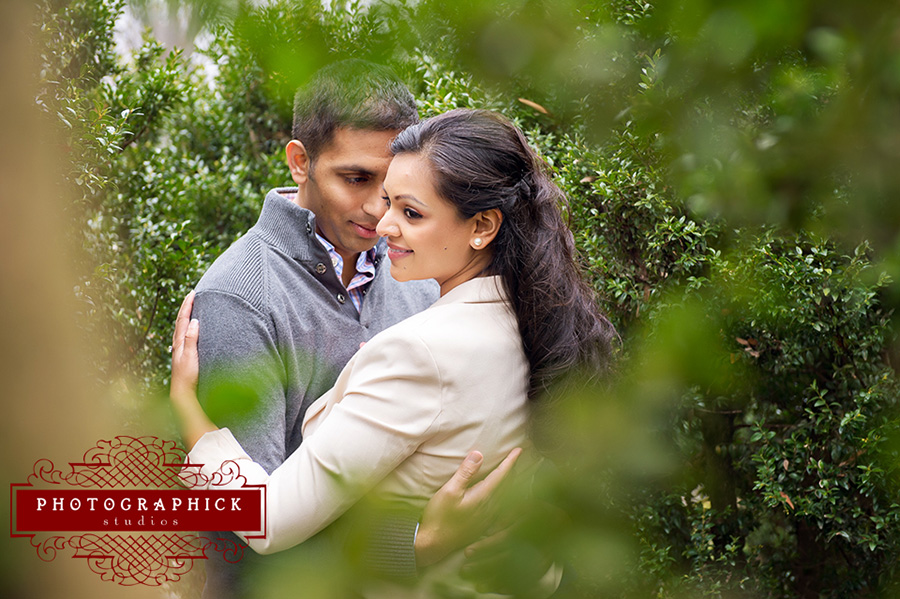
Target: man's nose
[375,205]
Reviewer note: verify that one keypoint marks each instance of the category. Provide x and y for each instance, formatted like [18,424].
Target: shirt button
[341,298]
[320,268]
[308,228]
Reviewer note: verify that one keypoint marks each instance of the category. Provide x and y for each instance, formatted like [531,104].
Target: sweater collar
[291,228]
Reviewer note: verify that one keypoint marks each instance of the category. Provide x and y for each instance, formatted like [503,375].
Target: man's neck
[349,270]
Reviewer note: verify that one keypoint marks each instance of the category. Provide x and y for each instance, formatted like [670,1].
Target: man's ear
[487,225]
[298,161]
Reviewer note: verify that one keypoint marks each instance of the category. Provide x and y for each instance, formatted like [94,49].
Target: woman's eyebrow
[412,198]
[405,196]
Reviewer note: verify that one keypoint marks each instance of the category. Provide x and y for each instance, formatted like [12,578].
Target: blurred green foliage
[730,169]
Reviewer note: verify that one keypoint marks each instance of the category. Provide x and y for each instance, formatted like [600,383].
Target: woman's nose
[387,227]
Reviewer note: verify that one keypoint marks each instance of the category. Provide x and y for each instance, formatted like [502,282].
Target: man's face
[343,189]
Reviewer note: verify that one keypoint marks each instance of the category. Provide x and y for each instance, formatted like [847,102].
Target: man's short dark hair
[350,94]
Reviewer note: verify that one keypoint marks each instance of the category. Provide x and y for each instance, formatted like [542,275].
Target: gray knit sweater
[277,326]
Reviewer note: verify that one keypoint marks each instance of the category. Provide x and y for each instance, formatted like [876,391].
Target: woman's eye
[387,200]
[410,213]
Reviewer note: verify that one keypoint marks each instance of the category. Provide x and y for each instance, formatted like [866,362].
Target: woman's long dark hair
[482,161]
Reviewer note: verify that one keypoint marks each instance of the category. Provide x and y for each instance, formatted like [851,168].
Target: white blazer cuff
[208,454]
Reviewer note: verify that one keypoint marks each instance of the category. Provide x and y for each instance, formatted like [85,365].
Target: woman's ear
[298,161]
[487,225]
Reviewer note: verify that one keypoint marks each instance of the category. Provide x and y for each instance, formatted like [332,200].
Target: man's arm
[460,512]
[397,542]
[242,379]
[459,515]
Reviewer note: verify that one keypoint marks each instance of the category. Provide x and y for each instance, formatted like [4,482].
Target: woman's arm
[185,367]
[439,532]
[389,404]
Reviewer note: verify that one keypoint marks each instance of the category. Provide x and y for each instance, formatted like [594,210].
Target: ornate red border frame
[127,558]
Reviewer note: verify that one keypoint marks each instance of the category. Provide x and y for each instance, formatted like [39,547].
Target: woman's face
[426,236]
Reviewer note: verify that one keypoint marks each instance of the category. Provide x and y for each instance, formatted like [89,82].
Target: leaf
[787,499]
[534,105]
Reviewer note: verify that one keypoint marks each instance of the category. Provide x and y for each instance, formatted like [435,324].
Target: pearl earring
[477,242]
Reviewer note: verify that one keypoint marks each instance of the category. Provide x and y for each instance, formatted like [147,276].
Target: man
[288,304]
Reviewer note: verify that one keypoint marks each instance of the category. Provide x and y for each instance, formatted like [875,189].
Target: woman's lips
[366,232]
[395,252]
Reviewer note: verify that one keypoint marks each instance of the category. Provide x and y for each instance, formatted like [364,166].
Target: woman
[470,205]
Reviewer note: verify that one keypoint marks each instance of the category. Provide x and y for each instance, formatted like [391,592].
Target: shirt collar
[365,263]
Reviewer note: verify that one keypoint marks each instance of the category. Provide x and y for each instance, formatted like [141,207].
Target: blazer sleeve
[391,404]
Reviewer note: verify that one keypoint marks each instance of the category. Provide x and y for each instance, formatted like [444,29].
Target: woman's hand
[185,362]
[185,370]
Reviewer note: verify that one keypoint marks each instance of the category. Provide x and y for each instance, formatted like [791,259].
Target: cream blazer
[401,417]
